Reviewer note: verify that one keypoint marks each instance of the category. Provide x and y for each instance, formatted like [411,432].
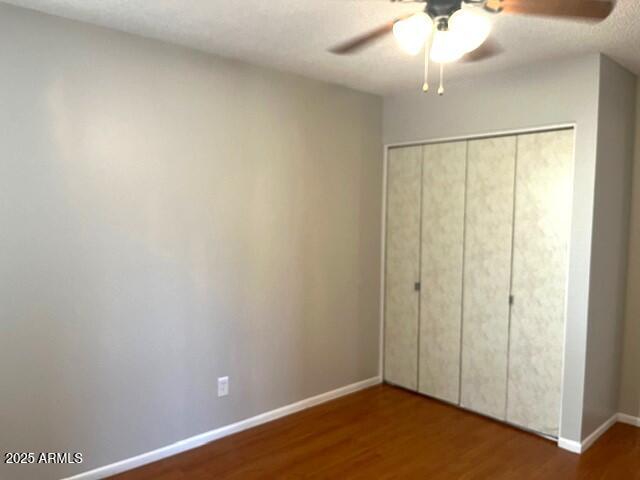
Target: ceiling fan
[450,30]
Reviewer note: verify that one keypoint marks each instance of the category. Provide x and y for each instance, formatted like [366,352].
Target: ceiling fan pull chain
[441,89]
[427,54]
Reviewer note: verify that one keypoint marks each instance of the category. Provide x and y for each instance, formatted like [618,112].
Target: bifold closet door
[487,274]
[443,191]
[544,183]
[404,177]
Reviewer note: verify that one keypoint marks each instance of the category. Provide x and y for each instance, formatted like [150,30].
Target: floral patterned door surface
[443,191]
[404,173]
[476,223]
[544,180]
[487,274]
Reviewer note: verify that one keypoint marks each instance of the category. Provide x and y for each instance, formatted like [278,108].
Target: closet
[476,268]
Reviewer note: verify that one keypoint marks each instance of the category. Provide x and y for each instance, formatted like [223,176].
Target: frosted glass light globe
[446,47]
[411,33]
[471,27]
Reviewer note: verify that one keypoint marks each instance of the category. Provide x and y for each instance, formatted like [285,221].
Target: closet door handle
[417,286]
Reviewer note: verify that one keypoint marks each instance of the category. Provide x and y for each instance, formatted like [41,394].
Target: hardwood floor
[384,432]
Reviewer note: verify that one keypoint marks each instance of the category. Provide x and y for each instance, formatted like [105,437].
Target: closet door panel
[404,177]
[544,181]
[443,191]
[487,274]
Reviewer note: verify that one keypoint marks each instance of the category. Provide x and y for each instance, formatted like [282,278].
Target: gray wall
[167,218]
[545,94]
[630,388]
[616,135]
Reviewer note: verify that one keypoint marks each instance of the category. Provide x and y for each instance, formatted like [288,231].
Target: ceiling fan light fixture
[446,47]
[412,33]
[471,26]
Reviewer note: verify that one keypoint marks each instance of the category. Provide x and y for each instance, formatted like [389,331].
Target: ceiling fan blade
[364,40]
[489,49]
[588,9]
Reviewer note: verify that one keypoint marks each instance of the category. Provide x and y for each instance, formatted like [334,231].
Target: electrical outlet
[223,386]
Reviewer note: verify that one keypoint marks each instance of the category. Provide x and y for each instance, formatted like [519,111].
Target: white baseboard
[581,447]
[591,439]
[629,419]
[570,445]
[203,438]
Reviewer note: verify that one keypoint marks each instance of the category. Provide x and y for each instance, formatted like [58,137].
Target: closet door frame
[500,133]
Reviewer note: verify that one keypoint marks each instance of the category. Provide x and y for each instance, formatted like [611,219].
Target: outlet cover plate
[223,386]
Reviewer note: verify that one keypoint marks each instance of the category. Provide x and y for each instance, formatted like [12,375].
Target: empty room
[319,239]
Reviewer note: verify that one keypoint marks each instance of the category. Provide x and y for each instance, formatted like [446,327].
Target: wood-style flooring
[384,432]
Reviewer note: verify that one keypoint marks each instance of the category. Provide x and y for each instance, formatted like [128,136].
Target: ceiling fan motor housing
[443,8]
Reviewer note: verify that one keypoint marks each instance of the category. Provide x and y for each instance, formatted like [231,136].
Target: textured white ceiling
[294,35]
